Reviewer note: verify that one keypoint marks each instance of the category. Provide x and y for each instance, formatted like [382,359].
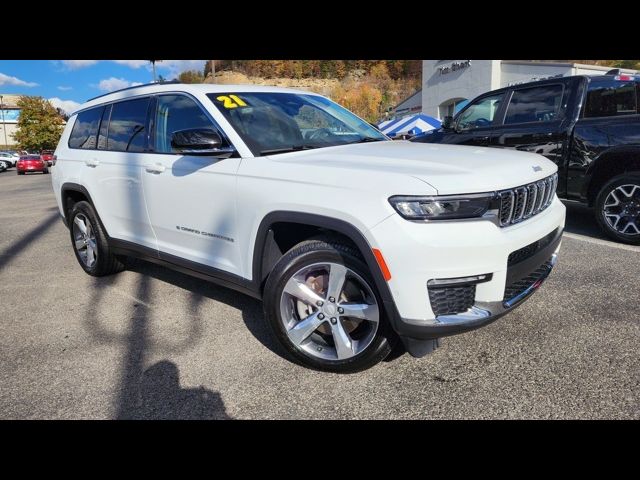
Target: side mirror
[200,141]
[447,123]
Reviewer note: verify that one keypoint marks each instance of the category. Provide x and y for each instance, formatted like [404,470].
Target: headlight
[443,207]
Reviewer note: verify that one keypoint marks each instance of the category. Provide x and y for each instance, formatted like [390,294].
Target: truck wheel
[618,208]
[322,305]
[90,242]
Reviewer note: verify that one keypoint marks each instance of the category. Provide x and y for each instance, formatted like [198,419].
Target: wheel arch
[266,254]
[76,192]
[610,163]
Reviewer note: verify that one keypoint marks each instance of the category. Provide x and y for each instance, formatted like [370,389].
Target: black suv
[588,125]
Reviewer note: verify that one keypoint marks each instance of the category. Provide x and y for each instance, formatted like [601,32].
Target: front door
[475,124]
[191,199]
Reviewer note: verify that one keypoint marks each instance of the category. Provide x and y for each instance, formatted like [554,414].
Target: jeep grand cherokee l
[352,241]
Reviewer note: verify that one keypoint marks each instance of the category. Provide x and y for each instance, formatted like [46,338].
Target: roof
[585,66]
[193,88]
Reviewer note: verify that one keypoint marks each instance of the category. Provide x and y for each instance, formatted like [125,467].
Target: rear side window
[127,126]
[536,104]
[612,98]
[85,130]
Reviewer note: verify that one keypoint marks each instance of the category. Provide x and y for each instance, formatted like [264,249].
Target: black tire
[20,173]
[106,262]
[631,178]
[46,171]
[325,250]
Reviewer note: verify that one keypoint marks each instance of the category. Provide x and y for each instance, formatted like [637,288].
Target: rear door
[535,121]
[111,159]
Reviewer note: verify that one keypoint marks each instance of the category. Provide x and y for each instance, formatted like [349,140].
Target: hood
[449,169]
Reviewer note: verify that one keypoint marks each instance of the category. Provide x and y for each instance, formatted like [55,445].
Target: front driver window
[176,112]
[480,114]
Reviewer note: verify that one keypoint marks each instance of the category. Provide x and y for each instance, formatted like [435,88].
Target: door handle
[154,168]
[92,162]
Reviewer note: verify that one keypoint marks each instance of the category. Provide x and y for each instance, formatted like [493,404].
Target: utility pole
[213,71]
[4,125]
[153,66]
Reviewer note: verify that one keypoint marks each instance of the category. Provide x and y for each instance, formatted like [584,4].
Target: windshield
[272,123]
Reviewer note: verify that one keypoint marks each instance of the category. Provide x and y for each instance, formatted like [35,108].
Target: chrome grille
[523,202]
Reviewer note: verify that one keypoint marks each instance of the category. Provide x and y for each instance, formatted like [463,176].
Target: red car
[31,163]
[47,156]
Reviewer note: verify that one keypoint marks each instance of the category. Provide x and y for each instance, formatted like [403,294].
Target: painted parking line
[597,241]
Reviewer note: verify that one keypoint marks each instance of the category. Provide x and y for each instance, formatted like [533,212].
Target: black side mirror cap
[200,141]
[447,123]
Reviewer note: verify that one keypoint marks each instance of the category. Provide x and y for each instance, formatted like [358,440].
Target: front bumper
[416,253]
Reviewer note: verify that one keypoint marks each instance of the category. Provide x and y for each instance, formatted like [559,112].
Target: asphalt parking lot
[152,343]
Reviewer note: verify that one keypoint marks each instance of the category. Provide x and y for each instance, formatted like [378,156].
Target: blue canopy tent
[411,125]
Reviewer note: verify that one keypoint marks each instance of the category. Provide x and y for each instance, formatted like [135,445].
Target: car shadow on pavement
[250,308]
[582,221]
[153,393]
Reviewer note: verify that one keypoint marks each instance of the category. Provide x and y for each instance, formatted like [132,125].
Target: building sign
[9,115]
[454,66]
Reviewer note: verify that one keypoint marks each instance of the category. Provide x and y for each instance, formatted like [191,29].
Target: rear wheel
[45,171]
[322,305]
[90,242]
[618,208]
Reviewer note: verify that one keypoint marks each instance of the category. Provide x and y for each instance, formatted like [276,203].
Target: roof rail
[135,86]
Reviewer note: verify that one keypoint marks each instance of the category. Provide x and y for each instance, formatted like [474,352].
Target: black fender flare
[76,187]
[622,151]
[321,221]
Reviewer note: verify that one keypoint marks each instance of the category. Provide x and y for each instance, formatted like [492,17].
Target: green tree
[39,125]
[191,76]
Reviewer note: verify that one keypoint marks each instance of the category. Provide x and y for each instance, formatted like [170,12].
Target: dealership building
[448,85]
[9,113]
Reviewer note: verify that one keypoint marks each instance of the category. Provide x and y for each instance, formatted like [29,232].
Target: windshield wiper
[292,148]
[368,139]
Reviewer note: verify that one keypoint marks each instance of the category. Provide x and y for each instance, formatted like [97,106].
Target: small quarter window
[85,130]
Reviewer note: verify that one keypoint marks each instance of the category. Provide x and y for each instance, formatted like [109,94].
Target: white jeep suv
[352,241]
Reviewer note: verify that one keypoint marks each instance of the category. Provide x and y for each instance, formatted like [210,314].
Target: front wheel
[618,208]
[322,305]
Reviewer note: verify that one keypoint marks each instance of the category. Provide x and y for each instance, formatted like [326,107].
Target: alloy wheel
[622,209]
[329,311]
[85,240]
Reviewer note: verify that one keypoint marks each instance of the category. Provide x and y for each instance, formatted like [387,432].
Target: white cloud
[68,106]
[133,63]
[113,83]
[76,64]
[175,67]
[64,89]
[7,80]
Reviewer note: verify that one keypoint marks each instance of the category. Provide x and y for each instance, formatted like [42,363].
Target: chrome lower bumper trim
[482,311]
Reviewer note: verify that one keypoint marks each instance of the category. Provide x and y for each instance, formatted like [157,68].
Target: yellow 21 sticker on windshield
[231,101]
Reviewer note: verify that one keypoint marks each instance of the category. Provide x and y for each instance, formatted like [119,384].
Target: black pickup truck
[588,125]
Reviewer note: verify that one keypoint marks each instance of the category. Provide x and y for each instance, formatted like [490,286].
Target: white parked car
[352,241]
[9,158]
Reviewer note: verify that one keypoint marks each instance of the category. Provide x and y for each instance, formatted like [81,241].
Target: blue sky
[69,83]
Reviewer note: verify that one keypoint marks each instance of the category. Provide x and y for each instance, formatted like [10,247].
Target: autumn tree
[39,125]
[190,76]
